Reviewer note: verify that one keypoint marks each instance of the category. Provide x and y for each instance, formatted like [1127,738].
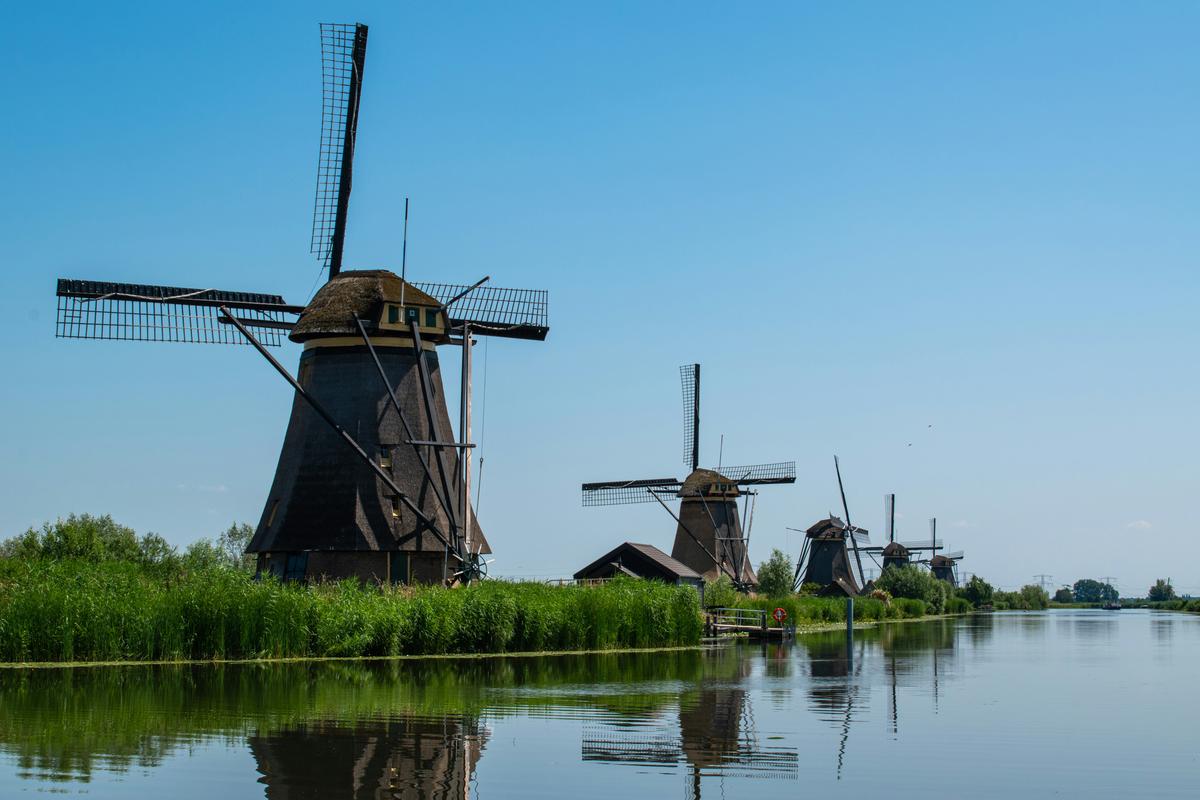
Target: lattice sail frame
[689,376]
[337,68]
[492,309]
[149,313]
[757,474]
[619,493]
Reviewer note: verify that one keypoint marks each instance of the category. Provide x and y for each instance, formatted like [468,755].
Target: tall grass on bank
[801,609]
[114,611]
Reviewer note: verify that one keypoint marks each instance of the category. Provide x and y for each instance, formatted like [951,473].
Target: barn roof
[356,294]
[661,560]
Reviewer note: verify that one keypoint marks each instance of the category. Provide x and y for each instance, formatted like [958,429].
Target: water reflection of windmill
[709,536]
[371,482]
[835,666]
[825,559]
[401,758]
[898,554]
[714,735]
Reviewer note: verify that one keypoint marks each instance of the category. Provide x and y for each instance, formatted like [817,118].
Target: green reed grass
[114,611]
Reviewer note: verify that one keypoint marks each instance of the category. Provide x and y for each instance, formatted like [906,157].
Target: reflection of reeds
[110,611]
[72,721]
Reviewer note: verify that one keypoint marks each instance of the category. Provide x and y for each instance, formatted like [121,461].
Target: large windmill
[898,554]
[709,536]
[824,557]
[371,481]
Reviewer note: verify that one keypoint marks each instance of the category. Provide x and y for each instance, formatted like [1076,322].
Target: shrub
[775,575]
[809,589]
[720,593]
[909,607]
[977,591]
[916,584]
[958,605]
[1064,595]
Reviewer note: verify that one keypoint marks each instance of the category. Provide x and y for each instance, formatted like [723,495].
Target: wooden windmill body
[372,481]
[709,534]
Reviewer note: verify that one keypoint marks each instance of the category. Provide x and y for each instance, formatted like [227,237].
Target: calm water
[1064,703]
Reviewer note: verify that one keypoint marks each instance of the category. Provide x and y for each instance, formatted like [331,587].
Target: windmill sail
[343,57]
[689,374]
[493,311]
[617,493]
[755,474]
[150,313]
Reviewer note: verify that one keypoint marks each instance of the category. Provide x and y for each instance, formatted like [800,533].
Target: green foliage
[74,610]
[810,589]
[909,607]
[1064,595]
[1161,590]
[802,609]
[1029,598]
[1087,590]
[720,593]
[916,584]
[958,605]
[775,575]
[977,592]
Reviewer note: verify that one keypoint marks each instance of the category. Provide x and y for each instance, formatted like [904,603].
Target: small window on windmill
[385,458]
[393,315]
[412,315]
[395,507]
[431,318]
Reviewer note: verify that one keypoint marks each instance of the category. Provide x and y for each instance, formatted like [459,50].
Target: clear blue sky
[863,219]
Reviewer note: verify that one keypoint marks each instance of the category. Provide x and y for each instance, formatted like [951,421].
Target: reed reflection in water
[768,720]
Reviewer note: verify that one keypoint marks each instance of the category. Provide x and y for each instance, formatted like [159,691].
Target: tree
[1034,598]
[1090,591]
[232,544]
[977,591]
[775,575]
[1064,595]
[1161,590]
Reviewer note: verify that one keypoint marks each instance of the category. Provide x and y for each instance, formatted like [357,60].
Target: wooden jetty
[752,622]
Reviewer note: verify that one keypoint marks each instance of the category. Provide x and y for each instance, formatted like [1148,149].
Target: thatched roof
[941,561]
[354,294]
[829,528]
[895,549]
[701,480]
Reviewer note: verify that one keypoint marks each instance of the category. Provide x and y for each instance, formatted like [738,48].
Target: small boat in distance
[1112,605]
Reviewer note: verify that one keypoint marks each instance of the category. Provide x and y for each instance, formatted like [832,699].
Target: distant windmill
[709,536]
[943,566]
[824,558]
[897,554]
[371,482]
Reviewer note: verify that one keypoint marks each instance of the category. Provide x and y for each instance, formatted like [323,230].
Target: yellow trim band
[356,341]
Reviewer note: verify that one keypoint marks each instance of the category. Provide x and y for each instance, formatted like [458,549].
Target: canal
[1062,703]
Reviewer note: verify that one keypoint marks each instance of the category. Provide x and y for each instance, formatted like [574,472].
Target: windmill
[897,554]
[371,482]
[824,558]
[943,566]
[709,536]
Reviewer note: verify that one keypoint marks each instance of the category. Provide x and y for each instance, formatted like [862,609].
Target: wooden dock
[752,622]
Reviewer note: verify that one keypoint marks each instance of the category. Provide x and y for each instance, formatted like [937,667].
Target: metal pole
[464,433]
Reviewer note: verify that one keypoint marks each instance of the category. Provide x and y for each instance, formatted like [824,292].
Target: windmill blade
[616,493]
[862,536]
[343,57]
[845,507]
[957,555]
[689,375]
[493,311]
[889,515]
[756,474]
[150,313]
[923,545]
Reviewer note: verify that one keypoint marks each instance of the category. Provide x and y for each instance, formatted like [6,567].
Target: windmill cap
[351,295]
[895,549]
[702,480]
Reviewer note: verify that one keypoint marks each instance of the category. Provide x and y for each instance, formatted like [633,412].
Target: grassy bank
[1192,605]
[73,610]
